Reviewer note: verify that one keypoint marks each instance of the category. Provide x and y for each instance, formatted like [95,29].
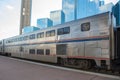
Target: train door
[21,51]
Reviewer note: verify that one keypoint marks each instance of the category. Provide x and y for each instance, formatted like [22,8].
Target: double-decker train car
[84,43]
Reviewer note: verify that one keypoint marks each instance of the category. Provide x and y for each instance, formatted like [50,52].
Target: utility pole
[25,18]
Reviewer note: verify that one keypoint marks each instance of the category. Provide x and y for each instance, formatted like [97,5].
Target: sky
[10,14]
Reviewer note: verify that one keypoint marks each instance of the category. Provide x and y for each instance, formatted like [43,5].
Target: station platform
[16,69]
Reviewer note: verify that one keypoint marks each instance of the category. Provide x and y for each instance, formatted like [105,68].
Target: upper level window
[40,35]
[85,26]
[62,31]
[32,36]
[26,37]
[50,33]
[21,38]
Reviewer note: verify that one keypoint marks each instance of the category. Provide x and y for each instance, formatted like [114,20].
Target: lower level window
[40,51]
[32,51]
[47,51]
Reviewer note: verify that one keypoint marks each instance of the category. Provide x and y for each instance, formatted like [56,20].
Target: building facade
[28,29]
[76,9]
[116,12]
[43,23]
[57,17]
[25,18]
[87,8]
[69,9]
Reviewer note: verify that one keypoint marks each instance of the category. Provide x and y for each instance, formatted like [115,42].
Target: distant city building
[69,9]
[43,23]
[76,9]
[87,8]
[106,8]
[57,17]
[116,12]
[25,18]
[28,29]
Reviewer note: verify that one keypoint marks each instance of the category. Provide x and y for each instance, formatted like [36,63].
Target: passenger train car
[84,43]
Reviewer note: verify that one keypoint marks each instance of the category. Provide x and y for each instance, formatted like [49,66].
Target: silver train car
[84,43]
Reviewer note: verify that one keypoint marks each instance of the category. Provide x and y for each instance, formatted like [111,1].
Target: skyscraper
[29,29]
[87,8]
[25,14]
[57,17]
[116,12]
[76,9]
[69,9]
[43,23]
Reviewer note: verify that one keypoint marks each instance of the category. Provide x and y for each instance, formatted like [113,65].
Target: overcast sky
[10,14]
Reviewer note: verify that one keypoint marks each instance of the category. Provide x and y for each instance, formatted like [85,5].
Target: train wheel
[84,64]
[63,61]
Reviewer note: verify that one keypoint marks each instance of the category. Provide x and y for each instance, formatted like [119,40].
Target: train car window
[47,51]
[85,26]
[40,35]
[40,51]
[21,49]
[15,40]
[32,51]
[66,30]
[50,33]
[62,31]
[21,38]
[32,36]
[26,38]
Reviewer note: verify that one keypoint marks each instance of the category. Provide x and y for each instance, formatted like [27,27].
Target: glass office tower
[76,9]
[57,17]
[28,29]
[69,9]
[87,8]
[116,12]
[43,23]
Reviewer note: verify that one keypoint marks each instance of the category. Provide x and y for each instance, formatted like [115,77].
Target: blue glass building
[116,12]
[69,9]
[29,29]
[76,9]
[87,8]
[43,23]
[57,17]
